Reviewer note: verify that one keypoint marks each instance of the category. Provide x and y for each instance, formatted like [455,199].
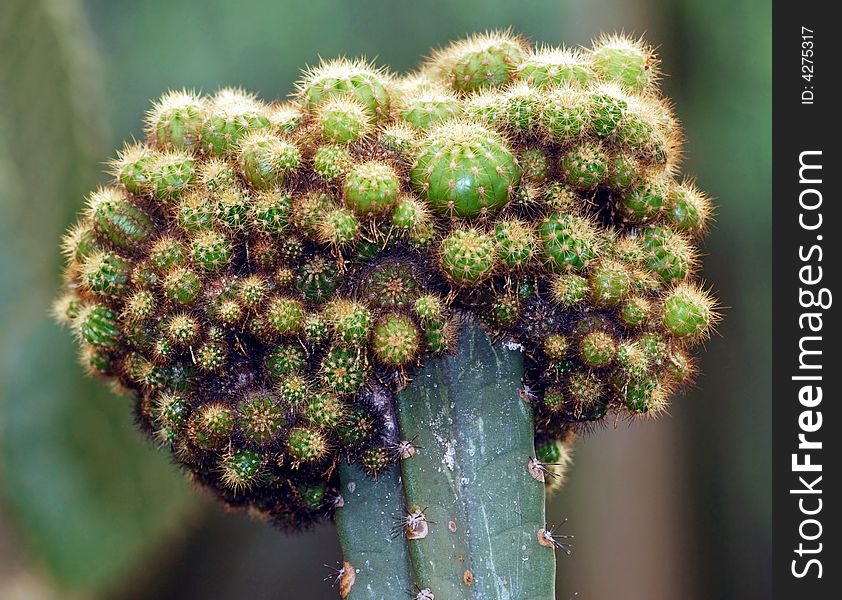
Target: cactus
[456,270]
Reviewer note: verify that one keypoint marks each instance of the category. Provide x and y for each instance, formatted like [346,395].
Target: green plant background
[675,509]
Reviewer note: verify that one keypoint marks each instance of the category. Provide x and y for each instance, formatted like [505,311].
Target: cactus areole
[396,300]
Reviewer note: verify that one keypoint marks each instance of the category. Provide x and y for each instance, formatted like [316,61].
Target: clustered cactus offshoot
[258,274]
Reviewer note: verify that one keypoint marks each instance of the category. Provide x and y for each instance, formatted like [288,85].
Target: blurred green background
[675,509]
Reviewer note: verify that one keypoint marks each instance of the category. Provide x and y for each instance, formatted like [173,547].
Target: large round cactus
[268,279]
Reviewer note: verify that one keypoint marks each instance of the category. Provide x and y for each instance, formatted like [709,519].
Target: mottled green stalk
[473,436]
[379,560]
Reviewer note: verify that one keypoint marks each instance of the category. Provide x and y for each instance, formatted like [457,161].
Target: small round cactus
[266,277]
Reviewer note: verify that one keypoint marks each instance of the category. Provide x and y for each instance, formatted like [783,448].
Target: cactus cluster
[264,276]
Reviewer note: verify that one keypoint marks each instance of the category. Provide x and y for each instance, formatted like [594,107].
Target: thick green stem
[470,477]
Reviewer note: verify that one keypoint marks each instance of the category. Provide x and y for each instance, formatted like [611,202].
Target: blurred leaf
[89,498]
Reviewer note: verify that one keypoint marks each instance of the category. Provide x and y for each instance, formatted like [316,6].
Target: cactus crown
[262,275]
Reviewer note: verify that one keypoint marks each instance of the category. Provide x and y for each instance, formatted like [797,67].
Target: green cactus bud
[535,165]
[317,279]
[516,242]
[252,291]
[285,316]
[395,340]
[97,325]
[285,359]
[343,370]
[232,114]
[270,212]
[315,329]
[439,335]
[556,346]
[121,224]
[306,446]
[482,61]
[376,460]
[175,120]
[182,329]
[313,496]
[339,227]
[584,166]
[467,256]
[633,361]
[655,347]
[170,174]
[216,175]
[182,286]
[356,427]
[522,108]
[350,321]
[106,274]
[232,210]
[354,79]
[587,392]
[211,426]
[241,469]
[635,312]
[624,170]
[323,411]
[132,167]
[265,160]
[568,241]
[211,356]
[688,312]
[668,253]
[294,389]
[597,349]
[464,169]
[625,61]
[429,307]
[66,308]
[79,242]
[679,366]
[505,310]
[560,198]
[390,285]
[144,275]
[211,251]
[343,120]
[284,117]
[399,138]
[409,214]
[564,115]
[555,399]
[172,409]
[332,162]
[196,211]
[167,253]
[309,210]
[428,107]
[371,189]
[610,282]
[569,289]
[485,107]
[688,209]
[260,418]
[644,202]
[607,105]
[643,395]
[547,67]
